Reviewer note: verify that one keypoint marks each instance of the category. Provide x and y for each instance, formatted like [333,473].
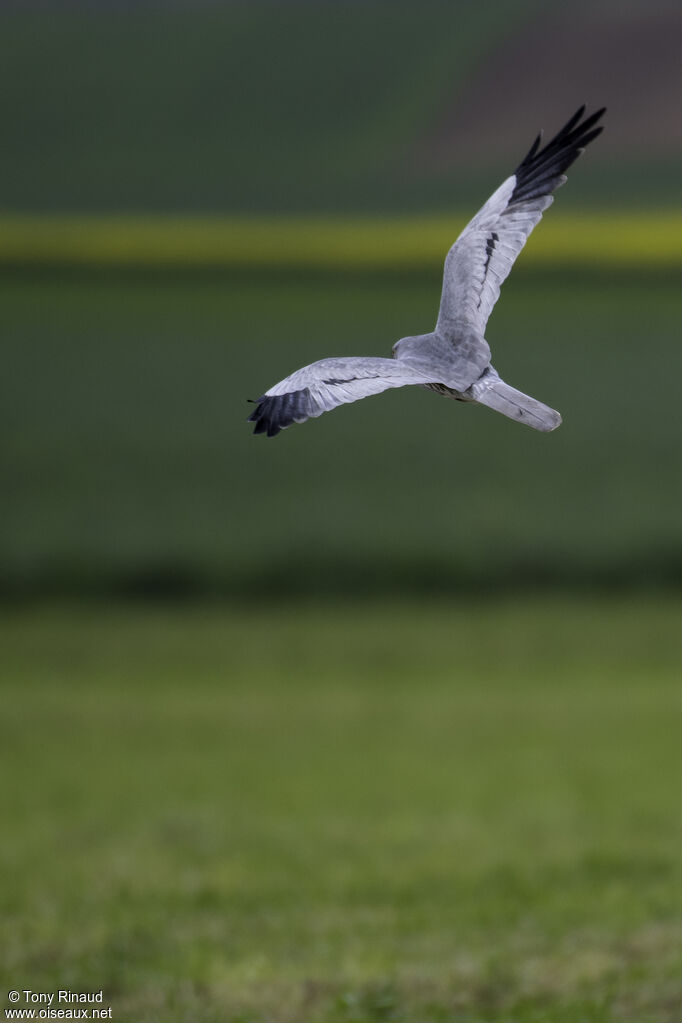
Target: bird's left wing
[323,385]
[483,255]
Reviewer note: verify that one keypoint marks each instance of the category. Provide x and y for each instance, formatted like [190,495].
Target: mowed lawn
[421,812]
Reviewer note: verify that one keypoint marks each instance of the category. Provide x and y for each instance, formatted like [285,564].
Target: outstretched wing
[483,255]
[323,385]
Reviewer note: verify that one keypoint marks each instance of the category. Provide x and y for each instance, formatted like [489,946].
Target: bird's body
[454,359]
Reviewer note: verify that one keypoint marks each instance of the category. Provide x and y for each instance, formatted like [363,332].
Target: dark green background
[126,464]
[129,466]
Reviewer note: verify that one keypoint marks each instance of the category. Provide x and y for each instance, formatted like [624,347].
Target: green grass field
[378,721]
[244,107]
[127,461]
[419,812]
[249,107]
[213,108]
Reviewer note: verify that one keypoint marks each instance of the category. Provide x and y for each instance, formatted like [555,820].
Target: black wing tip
[541,170]
[275,412]
[571,136]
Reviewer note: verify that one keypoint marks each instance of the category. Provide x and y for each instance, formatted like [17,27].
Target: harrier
[454,359]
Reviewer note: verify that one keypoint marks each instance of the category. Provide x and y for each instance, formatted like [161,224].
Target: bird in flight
[454,359]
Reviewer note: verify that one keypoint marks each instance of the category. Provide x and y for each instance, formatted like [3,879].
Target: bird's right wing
[324,385]
[483,255]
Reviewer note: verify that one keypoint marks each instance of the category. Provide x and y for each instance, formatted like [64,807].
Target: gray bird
[454,359]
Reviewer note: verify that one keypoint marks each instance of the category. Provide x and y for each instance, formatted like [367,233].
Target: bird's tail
[492,391]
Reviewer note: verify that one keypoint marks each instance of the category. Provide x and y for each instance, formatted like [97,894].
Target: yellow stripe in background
[638,240]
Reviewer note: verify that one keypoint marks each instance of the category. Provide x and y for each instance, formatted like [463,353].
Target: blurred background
[242,675]
[197,199]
